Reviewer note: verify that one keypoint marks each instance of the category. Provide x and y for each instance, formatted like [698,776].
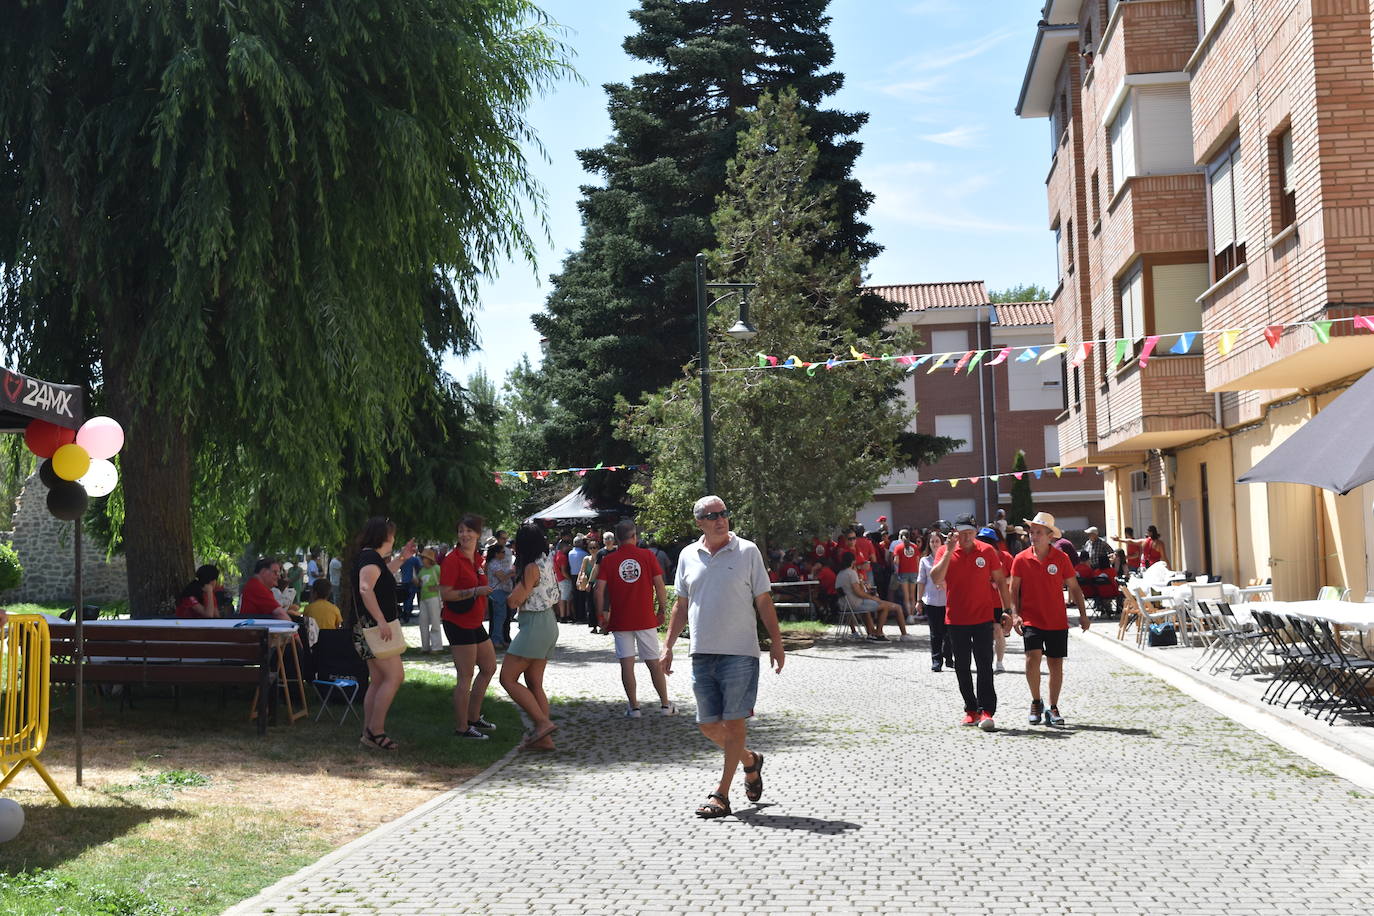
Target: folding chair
[847,620]
[1140,591]
[345,687]
[1351,675]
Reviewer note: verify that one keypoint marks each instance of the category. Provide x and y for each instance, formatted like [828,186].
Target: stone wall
[44,545]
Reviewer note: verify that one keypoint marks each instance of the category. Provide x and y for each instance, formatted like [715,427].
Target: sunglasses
[712,516]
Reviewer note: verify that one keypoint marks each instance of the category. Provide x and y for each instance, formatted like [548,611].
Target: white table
[1341,613]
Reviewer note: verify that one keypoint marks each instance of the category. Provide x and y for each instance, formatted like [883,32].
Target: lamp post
[741,330]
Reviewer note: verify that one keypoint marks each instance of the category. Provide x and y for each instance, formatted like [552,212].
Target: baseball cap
[944,526]
[988,535]
[965,523]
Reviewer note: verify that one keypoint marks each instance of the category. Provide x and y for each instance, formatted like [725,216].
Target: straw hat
[429,554]
[1044,518]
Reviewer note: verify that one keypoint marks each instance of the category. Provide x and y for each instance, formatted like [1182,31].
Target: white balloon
[101,479]
[11,819]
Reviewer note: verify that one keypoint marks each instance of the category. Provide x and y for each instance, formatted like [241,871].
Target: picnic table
[793,605]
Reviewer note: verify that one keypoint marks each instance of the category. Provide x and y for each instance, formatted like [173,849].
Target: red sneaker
[970,718]
[985,722]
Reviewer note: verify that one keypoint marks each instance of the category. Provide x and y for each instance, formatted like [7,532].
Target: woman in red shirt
[464,589]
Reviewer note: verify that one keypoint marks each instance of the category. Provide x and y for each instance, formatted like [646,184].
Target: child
[321,610]
[430,604]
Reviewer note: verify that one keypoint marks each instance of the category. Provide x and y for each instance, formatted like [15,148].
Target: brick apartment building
[1210,169]
[996,410]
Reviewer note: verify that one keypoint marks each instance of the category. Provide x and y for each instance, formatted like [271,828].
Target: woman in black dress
[374,604]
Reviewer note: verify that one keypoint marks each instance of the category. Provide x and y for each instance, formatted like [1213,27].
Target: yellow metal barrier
[24,653]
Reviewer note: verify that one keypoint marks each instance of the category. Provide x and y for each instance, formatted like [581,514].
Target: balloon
[11,819]
[71,462]
[67,500]
[101,479]
[44,438]
[47,474]
[101,437]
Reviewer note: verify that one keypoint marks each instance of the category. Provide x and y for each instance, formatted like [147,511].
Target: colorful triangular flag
[1052,351]
[938,362]
[1121,346]
[1184,342]
[1227,341]
[1028,354]
[1148,349]
[977,358]
[1082,355]
[1006,351]
[1272,334]
[1365,321]
[1058,471]
[1323,331]
[963,361]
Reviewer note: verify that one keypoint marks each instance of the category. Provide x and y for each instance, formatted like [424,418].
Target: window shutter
[1164,116]
[1176,309]
[1123,146]
[1237,196]
[1211,9]
[1223,206]
[1286,158]
[1133,305]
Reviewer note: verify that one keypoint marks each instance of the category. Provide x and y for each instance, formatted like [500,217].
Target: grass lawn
[187,810]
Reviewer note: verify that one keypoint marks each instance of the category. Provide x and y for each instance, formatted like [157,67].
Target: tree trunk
[156,473]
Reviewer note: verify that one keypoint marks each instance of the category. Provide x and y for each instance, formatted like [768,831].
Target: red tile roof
[917,297]
[1023,314]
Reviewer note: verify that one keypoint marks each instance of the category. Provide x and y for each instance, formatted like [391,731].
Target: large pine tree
[620,319]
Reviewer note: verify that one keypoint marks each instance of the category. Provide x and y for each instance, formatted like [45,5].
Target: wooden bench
[167,655]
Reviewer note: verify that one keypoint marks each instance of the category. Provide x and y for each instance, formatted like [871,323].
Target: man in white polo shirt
[722,583]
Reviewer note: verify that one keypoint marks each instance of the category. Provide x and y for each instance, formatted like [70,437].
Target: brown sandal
[709,809]
[754,790]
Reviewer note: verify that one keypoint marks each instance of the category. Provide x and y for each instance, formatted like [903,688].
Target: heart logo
[13,385]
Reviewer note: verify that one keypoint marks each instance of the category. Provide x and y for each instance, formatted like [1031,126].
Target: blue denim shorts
[725,686]
[908,578]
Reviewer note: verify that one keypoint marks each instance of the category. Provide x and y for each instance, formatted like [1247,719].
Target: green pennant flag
[1323,331]
[977,358]
[1120,352]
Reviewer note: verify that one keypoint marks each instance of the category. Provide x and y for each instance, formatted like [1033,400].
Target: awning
[23,399]
[577,509]
[1334,450]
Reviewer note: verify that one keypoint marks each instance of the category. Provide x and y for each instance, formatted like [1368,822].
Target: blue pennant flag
[1185,342]
[1038,473]
[1028,354]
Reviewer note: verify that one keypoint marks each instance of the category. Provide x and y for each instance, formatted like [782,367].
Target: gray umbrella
[1333,450]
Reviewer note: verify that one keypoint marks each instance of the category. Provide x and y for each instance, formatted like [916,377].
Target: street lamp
[741,330]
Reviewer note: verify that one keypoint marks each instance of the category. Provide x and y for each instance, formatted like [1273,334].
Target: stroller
[1100,589]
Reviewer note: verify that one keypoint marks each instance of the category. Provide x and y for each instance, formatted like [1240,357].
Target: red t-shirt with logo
[1007,560]
[460,572]
[908,557]
[968,600]
[629,576]
[826,577]
[1042,588]
[560,566]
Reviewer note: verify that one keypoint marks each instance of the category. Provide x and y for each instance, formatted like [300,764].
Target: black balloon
[68,500]
[48,475]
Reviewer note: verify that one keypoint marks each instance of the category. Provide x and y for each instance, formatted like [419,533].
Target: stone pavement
[876,801]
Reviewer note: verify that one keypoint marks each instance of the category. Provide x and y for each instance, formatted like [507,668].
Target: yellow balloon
[71,462]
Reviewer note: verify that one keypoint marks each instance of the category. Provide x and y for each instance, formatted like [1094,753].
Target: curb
[254,905]
[1320,751]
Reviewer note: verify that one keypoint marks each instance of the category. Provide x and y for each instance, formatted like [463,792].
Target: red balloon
[44,438]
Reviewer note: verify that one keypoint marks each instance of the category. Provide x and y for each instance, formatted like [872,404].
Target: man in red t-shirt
[563,577]
[863,551]
[632,579]
[256,598]
[964,569]
[1039,575]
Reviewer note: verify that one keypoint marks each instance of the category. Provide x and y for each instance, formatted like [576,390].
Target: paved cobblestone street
[876,801]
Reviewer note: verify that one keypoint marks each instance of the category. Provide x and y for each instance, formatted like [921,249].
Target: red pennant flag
[974,479]
[1017,476]
[1272,334]
[963,361]
[1083,351]
[1148,349]
[1001,357]
[1365,321]
[497,478]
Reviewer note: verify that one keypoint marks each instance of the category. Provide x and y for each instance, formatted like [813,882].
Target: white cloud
[963,137]
[917,90]
[927,195]
[955,54]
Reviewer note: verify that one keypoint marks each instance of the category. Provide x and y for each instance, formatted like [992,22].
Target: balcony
[1155,213]
[1148,36]
[1164,405]
[1299,360]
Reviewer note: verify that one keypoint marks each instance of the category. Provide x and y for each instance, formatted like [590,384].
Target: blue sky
[958,178]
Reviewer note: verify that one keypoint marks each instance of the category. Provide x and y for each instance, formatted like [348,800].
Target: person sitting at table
[324,612]
[256,598]
[198,599]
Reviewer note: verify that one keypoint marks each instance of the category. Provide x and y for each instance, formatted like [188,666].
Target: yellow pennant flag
[953,482]
[1227,342]
[939,362]
[1058,471]
[1052,351]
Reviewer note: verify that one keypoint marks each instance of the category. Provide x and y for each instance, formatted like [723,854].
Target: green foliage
[1026,292]
[620,317]
[1022,503]
[11,570]
[255,228]
[796,453]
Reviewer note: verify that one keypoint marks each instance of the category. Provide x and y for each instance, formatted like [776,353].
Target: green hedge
[11,570]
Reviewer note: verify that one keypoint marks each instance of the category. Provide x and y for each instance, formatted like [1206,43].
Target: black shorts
[1054,643]
[464,636]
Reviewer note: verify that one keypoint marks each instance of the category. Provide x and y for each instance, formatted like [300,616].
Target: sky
[959,180]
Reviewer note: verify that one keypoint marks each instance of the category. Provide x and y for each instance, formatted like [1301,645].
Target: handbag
[1163,634]
[381,648]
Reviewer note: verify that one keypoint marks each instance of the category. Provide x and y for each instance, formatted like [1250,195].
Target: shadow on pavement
[755,817]
[1067,731]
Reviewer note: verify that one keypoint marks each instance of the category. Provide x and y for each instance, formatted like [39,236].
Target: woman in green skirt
[532,602]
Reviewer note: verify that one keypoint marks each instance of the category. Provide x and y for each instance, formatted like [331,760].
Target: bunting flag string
[1058,470]
[545,473]
[1183,343]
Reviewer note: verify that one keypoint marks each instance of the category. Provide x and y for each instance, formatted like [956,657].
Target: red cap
[882,518]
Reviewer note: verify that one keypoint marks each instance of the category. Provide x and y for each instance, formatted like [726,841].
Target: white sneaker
[632,712]
[910,618]
[669,710]
[998,668]
[903,638]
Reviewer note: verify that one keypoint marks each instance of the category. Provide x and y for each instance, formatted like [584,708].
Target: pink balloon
[102,437]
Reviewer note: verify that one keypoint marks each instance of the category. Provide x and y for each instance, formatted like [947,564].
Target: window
[1225,185]
[1097,197]
[1077,387]
[1131,291]
[1068,246]
[1121,136]
[1051,444]
[1034,386]
[1102,345]
[950,509]
[1288,199]
[1162,123]
[955,342]
[1059,122]
[1174,308]
[1211,11]
[1058,252]
[956,426]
